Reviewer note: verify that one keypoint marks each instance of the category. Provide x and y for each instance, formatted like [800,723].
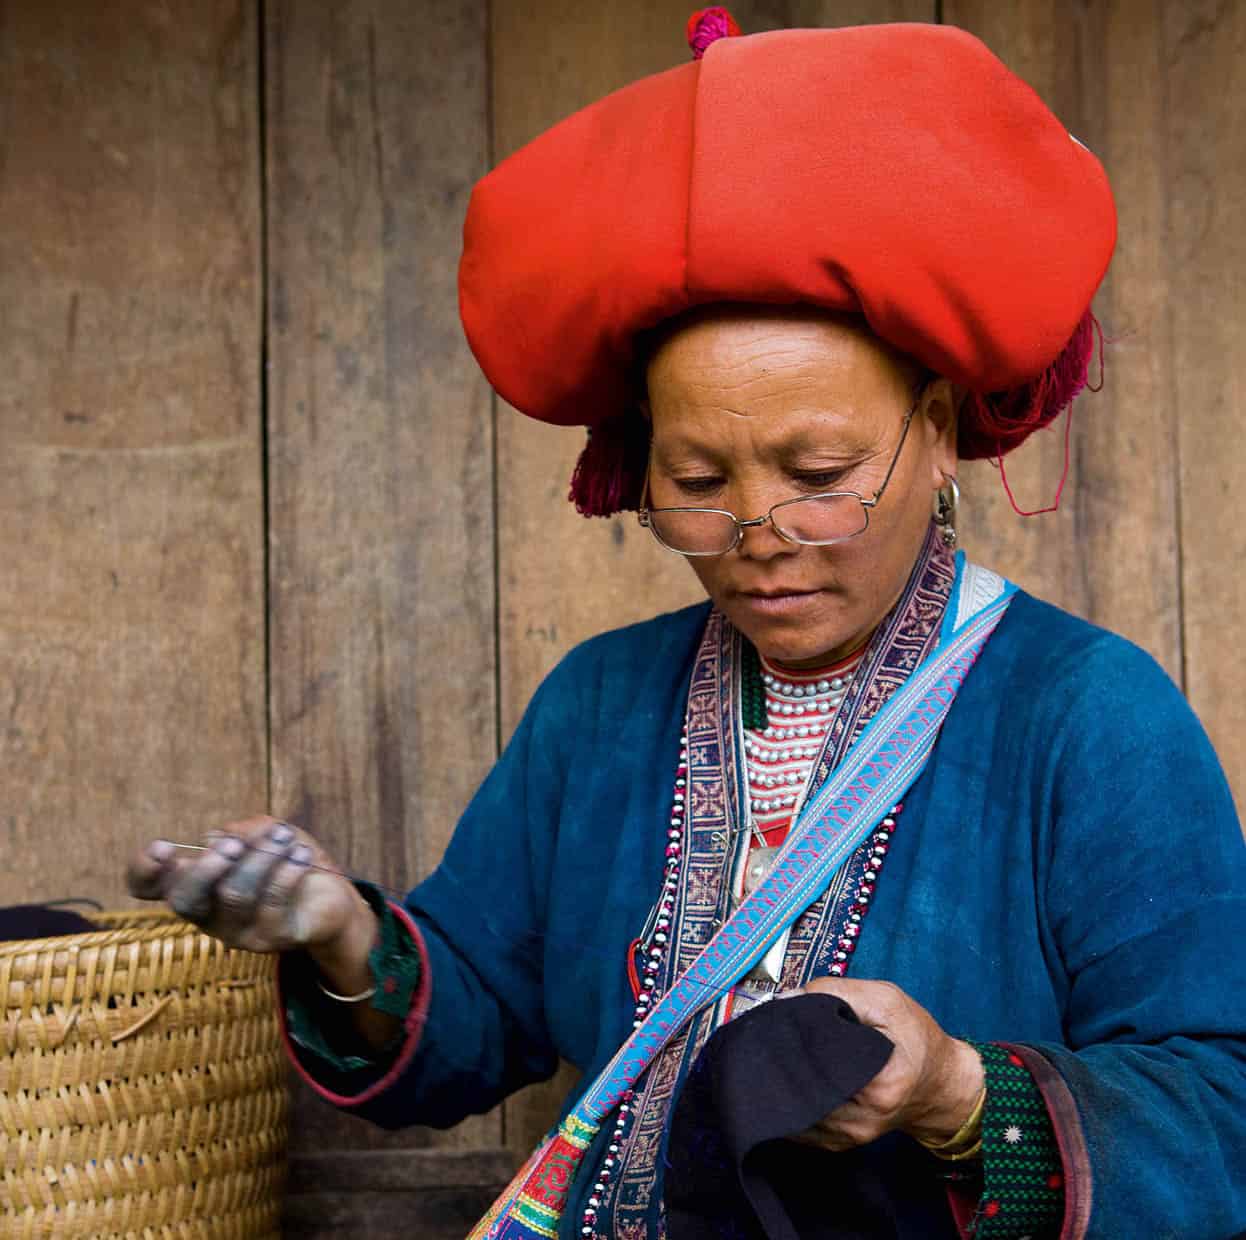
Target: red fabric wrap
[898,171]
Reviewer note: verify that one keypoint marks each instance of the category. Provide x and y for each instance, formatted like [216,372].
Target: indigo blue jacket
[1071,877]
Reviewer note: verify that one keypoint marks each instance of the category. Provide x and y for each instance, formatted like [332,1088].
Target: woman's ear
[941,407]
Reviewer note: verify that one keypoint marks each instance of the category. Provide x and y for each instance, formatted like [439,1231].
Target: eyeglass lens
[811,519]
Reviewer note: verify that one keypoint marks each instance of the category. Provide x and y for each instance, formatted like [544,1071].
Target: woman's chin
[795,633]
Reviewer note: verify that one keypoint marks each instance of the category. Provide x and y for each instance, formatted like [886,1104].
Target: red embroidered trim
[414,1024]
[1066,1122]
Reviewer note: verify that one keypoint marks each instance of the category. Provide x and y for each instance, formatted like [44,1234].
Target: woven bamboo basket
[142,1086]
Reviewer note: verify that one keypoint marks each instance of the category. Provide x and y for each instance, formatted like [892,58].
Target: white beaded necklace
[779,757]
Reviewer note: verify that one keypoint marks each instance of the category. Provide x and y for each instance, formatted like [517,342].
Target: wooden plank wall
[131,577]
[381,525]
[268,533]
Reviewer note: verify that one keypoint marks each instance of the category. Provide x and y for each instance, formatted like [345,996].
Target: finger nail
[160,850]
[280,833]
[301,855]
[230,847]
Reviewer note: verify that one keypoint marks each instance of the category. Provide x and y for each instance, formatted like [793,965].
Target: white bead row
[773,781]
[822,707]
[794,754]
[787,689]
[810,728]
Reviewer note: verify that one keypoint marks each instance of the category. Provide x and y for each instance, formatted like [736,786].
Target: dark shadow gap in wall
[494,413]
[490,156]
[1170,172]
[261,112]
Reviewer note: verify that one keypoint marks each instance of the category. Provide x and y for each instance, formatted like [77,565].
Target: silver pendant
[760,863]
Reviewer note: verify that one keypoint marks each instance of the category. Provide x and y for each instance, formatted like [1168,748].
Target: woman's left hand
[927,1088]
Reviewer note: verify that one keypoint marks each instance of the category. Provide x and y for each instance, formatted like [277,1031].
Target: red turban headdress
[901,172]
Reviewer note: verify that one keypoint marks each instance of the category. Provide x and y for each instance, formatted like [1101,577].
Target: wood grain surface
[1201,51]
[379,447]
[131,581]
[393,1194]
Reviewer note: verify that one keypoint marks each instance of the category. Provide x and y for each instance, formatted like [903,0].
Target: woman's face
[751,407]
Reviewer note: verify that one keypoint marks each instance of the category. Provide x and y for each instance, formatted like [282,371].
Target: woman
[789,286]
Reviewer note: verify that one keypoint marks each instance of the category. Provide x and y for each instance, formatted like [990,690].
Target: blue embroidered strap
[875,774]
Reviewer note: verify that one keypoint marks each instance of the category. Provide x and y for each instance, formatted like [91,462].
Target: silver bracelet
[359,998]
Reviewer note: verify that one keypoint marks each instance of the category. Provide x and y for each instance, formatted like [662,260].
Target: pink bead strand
[655,957]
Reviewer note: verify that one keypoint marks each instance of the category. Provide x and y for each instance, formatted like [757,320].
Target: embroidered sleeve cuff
[321,1027]
[1022,1185]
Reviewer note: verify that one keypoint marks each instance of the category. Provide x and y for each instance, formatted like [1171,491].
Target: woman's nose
[763,542]
[752,499]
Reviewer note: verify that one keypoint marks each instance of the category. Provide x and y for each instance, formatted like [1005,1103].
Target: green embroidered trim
[395,967]
[1022,1180]
[752,689]
[394,962]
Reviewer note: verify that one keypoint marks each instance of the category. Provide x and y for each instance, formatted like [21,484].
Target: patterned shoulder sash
[876,773]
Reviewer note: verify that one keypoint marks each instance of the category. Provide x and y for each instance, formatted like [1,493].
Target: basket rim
[132,926]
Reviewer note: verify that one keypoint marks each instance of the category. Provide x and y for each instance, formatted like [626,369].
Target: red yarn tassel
[610,474]
[1054,506]
[996,422]
[1009,417]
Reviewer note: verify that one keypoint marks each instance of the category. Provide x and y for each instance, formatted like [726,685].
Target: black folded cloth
[40,921]
[771,1073]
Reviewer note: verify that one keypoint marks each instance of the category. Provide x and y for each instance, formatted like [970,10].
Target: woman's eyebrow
[810,445]
[683,450]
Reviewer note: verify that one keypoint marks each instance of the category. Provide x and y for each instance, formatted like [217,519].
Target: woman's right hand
[259,886]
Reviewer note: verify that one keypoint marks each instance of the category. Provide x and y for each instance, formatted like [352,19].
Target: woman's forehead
[755,358]
[706,430]
[774,380]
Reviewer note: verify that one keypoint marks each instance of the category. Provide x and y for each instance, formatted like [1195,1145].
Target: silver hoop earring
[947,500]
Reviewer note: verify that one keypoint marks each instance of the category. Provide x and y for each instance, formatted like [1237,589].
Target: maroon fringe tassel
[610,474]
[994,423]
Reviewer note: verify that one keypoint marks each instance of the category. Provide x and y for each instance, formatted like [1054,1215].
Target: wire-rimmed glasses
[810,520]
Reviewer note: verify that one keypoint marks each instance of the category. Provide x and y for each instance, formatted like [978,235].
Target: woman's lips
[778,603]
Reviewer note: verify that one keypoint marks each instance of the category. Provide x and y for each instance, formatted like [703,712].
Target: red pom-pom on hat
[707,26]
